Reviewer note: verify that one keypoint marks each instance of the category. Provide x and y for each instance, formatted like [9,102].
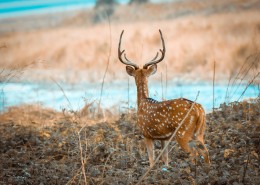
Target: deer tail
[200,122]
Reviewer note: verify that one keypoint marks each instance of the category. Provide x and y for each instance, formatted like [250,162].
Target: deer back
[158,120]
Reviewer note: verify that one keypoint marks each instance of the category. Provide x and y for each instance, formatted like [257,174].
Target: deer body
[159,120]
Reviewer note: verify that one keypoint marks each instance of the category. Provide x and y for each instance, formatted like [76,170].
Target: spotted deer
[158,120]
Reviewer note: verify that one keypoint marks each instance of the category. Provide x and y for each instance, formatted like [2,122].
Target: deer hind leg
[198,147]
[198,138]
[165,153]
[202,149]
[150,150]
[188,147]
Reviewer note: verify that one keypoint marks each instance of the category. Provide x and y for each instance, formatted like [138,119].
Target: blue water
[12,8]
[115,94]
[21,7]
[24,7]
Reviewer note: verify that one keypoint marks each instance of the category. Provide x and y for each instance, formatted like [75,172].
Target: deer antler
[155,60]
[120,53]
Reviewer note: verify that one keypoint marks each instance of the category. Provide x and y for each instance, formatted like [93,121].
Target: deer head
[141,74]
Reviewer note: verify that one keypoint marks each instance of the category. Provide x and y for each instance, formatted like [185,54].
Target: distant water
[12,8]
[116,94]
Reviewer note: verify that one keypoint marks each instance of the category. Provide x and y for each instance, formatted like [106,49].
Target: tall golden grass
[74,52]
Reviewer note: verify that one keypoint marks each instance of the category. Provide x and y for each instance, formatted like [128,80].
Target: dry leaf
[254,154]
[227,152]
[45,134]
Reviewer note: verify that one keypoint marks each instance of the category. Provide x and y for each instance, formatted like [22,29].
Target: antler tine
[155,60]
[120,53]
[127,58]
[155,56]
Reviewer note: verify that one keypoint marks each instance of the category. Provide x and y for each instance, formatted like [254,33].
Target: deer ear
[130,70]
[152,69]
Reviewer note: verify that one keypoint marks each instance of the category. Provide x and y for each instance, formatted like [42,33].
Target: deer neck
[142,91]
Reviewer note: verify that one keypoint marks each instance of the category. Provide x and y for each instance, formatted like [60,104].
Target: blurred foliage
[138,1]
[100,3]
[104,9]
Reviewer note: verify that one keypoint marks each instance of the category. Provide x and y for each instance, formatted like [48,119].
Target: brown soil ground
[41,146]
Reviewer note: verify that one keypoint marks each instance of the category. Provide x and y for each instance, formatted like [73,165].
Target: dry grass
[41,146]
[74,52]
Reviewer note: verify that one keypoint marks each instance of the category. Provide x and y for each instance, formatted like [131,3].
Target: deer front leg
[165,153]
[150,150]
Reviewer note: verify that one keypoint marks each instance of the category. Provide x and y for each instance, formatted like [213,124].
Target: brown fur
[159,120]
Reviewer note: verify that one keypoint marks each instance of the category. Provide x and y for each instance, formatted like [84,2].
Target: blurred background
[63,53]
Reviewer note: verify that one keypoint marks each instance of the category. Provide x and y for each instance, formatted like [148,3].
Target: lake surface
[115,94]
[11,8]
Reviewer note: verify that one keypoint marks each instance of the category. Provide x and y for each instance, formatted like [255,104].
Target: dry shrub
[90,110]
[30,114]
[248,110]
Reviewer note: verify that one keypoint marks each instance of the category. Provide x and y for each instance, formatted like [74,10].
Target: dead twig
[105,167]
[108,61]
[64,94]
[6,75]
[214,69]
[249,83]
[83,161]
[249,64]
[245,168]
